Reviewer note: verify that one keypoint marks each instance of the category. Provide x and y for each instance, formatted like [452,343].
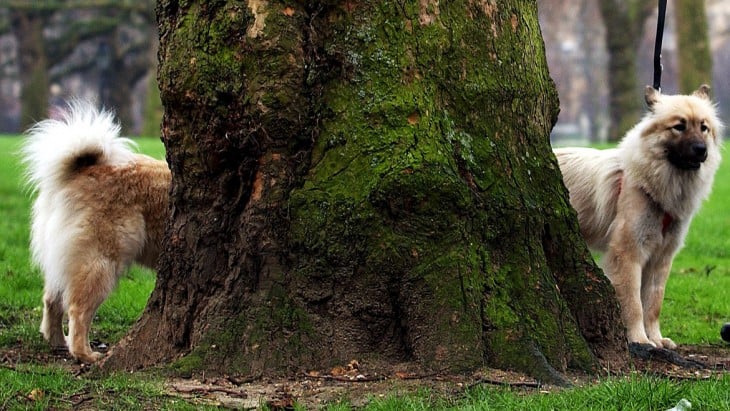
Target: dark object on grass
[725,332]
[99,346]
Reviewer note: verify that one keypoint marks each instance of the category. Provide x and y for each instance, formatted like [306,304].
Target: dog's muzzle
[687,154]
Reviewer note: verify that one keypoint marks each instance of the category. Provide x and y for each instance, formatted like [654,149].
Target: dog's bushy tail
[55,149]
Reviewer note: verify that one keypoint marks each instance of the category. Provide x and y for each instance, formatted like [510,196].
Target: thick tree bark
[367,180]
[695,58]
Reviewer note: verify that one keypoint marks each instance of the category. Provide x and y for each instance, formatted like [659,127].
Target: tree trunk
[116,82]
[623,28]
[127,64]
[368,180]
[695,59]
[28,30]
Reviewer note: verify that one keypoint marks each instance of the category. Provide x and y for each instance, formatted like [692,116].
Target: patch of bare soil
[356,386]
[359,383]
[11,357]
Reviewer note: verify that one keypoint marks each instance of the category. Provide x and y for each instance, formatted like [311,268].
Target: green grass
[697,300]
[20,313]
[21,285]
[696,305]
[29,387]
[634,392]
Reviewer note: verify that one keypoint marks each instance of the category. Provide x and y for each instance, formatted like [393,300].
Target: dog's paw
[89,357]
[644,341]
[662,342]
[667,343]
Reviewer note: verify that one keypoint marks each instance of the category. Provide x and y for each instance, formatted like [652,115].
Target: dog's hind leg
[52,323]
[90,287]
[79,324]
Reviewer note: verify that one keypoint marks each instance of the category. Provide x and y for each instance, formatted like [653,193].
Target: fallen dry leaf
[338,371]
[353,365]
[36,394]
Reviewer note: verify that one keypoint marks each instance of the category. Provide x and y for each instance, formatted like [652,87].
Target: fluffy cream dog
[635,202]
[99,208]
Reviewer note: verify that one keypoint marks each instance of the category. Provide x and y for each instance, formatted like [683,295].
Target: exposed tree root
[649,352]
[543,371]
[328,377]
[521,384]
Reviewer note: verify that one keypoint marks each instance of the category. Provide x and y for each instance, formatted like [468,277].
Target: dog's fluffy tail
[57,148]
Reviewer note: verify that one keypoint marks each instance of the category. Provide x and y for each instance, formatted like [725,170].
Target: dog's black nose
[699,150]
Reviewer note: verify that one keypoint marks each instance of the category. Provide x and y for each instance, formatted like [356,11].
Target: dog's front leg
[655,278]
[624,271]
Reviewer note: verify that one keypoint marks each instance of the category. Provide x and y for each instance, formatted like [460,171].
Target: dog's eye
[680,127]
[704,128]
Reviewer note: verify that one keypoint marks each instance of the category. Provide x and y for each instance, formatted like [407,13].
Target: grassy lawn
[697,300]
[697,304]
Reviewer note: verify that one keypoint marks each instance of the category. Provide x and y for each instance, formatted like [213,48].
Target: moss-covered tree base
[371,181]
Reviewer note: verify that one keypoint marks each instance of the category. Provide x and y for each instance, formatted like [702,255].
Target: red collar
[666,221]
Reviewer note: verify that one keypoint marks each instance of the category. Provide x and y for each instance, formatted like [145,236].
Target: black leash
[658,45]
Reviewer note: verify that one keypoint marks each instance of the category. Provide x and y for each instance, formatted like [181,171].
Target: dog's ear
[651,96]
[702,92]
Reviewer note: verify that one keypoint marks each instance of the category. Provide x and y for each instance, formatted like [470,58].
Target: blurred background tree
[54,50]
[599,54]
[624,21]
[695,56]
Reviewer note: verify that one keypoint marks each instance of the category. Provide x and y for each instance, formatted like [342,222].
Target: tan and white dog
[635,202]
[100,207]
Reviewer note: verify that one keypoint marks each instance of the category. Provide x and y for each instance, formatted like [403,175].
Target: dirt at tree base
[715,357]
[357,384]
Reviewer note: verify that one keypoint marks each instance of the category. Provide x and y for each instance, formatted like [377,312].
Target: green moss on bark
[440,145]
[275,336]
